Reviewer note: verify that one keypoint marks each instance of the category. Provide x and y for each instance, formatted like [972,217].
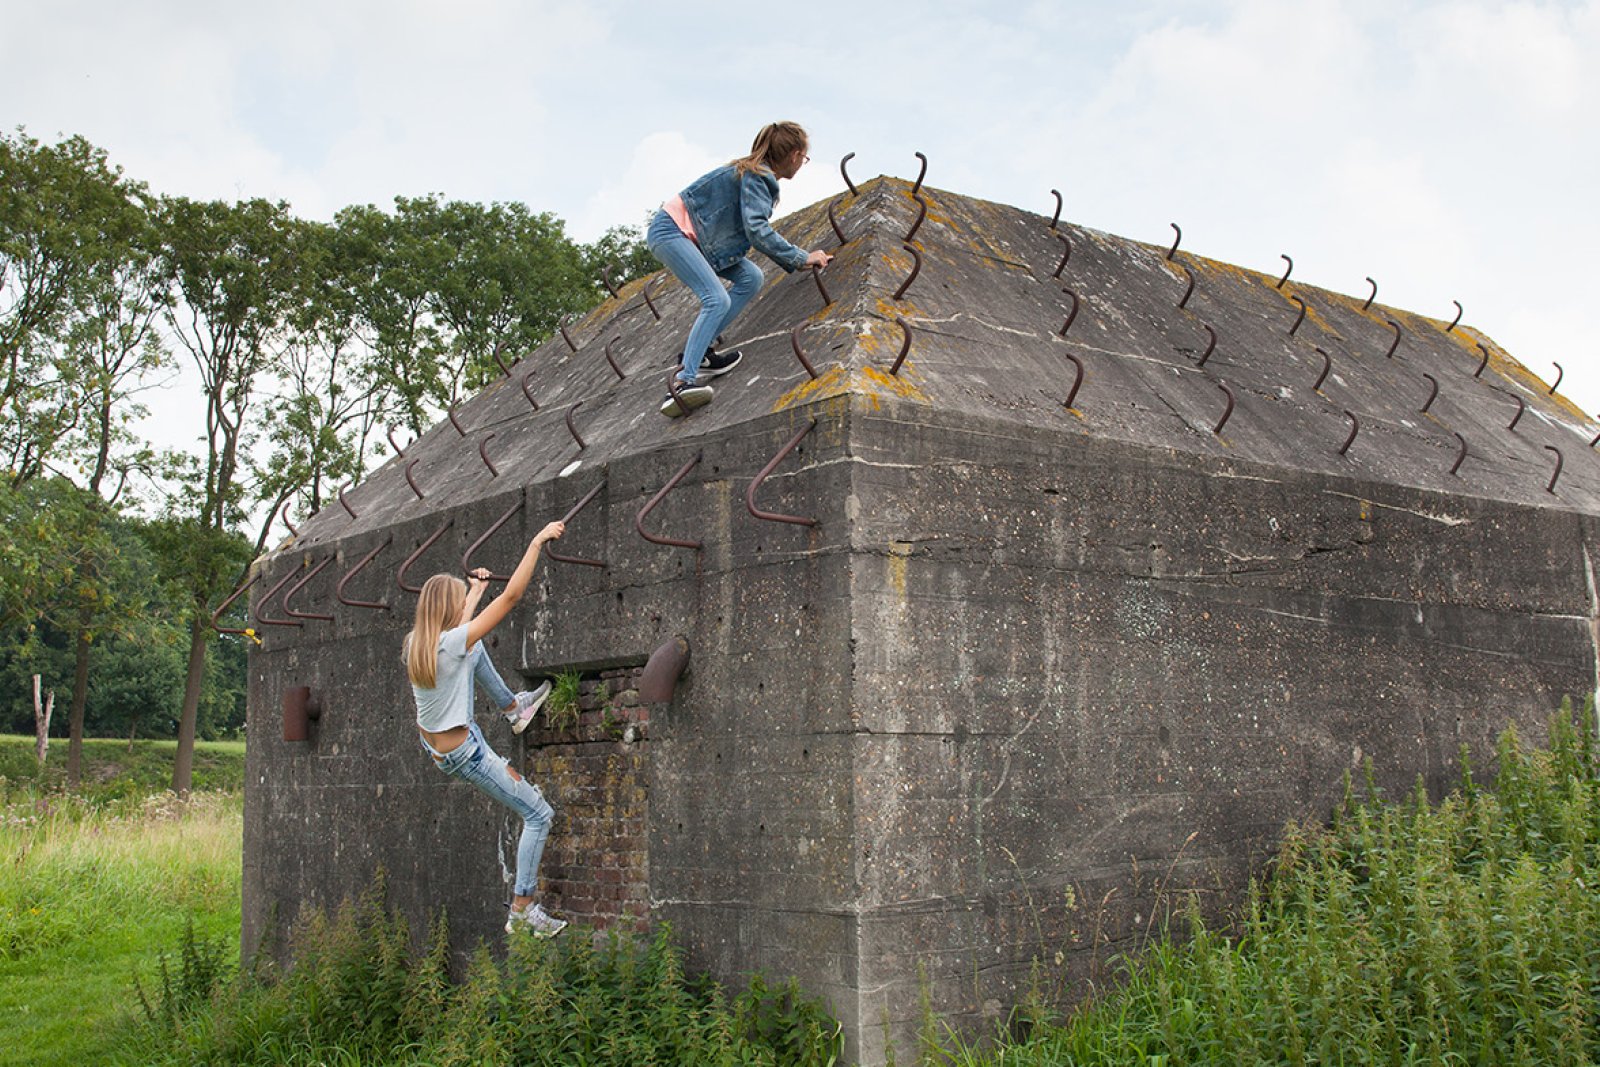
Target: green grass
[111,769]
[95,887]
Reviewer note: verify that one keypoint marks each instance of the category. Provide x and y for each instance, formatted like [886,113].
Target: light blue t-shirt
[449,703]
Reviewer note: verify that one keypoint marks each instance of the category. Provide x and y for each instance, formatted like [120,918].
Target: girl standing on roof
[701,236]
[444,652]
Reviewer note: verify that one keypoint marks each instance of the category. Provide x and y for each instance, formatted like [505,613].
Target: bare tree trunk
[80,697]
[183,766]
[133,730]
[41,719]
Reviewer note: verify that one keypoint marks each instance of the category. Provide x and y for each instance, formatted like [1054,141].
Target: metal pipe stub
[666,665]
[300,706]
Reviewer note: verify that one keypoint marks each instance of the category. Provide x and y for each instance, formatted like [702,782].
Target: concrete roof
[986,312]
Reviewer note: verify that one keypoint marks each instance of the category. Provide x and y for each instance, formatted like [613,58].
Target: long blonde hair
[438,608]
[775,142]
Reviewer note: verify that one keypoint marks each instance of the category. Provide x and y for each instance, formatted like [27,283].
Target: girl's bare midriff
[445,740]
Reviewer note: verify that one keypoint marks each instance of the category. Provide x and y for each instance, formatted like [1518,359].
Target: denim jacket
[730,212]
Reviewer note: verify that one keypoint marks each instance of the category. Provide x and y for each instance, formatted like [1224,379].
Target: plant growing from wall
[561,706]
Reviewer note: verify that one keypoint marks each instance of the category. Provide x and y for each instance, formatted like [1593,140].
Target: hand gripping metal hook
[1479,372]
[612,360]
[755,484]
[833,221]
[905,346]
[923,173]
[375,605]
[529,392]
[916,268]
[1066,254]
[1522,406]
[400,575]
[293,614]
[1228,413]
[345,503]
[1327,365]
[1077,382]
[1285,257]
[1183,302]
[605,276]
[1210,348]
[215,615]
[1551,488]
[848,157]
[466,557]
[1457,319]
[1372,295]
[483,454]
[1176,241]
[794,339]
[550,549]
[922,213]
[1395,326]
[1426,404]
[1071,315]
[1057,216]
[412,481]
[1300,317]
[1461,454]
[573,430]
[816,276]
[661,494]
[1355,428]
[1557,383]
[562,326]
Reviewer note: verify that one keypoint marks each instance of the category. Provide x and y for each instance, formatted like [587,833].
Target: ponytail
[774,142]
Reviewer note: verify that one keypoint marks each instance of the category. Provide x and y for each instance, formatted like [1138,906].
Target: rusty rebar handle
[1372,295]
[412,481]
[1077,382]
[750,493]
[651,304]
[1432,396]
[1551,488]
[1176,241]
[1395,326]
[1327,365]
[846,174]
[1460,455]
[345,503]
[1479,372]
[921,174]
[816,276]
[376,605]
[1285,257]
[1522,405]
[1057,216]
[916,269]
[833,220]
[466,557]
[612,360]
[1188,291]
[1355,428]
[284,515]
[400,575]
[571,514]
[922,213]
[1066,253]
[301,584]
[262,604]
[526,378]
[1227,413]
[905,346]
[661,494]
[1457,320]
[1211,346]
[1300,317]
[215,615]
[483,454]
[794,340]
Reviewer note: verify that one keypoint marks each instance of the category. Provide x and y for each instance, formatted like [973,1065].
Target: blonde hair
[438,608]
[776,141]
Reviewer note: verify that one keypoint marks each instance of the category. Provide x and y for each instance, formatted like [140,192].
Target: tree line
[304,344]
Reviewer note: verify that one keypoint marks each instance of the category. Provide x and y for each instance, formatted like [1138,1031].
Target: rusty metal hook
[504,369]
[1300,317]
[1189,290]
[389,433]
[1395,326]
[529,392]
[345,503]
[605,276]
[1355,428]
[1431,396]
[848,157]
[264,602]
[916,268]
[1372,295]
[284,515]
[750,493]
[1557,383]
[484,455]
[562,326]
[644,512]
[466,557]
[1457,319]
[1460,455]
[573,430]
[1176,241]
[451,411]
[920,174]
[816,276]
[215,615]
[550,549]
[1211,346]
[651,304]
[1551,488]
[1077,382]
[1479,372]
[293,614]
[400,575]
[905,346]
[1057,216]
[375,605]
[834,221]
[1285,257]
[672,389]
[922,213]
[1227,414]
[1066,254]
[1071,315]
[412,481]
[1521,407]
[794,339]
[1327,365]
[611,360]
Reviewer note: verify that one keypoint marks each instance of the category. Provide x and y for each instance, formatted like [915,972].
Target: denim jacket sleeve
[758,193]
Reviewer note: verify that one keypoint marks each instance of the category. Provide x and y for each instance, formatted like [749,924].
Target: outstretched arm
[500,606]
[477,582]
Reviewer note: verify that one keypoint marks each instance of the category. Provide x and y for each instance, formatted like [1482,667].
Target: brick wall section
[596,866]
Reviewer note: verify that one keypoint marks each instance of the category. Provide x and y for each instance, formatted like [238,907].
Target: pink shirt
[680,214]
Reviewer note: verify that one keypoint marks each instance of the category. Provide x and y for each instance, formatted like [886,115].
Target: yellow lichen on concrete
[870,383]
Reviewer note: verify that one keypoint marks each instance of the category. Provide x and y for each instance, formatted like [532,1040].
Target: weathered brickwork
[593,770]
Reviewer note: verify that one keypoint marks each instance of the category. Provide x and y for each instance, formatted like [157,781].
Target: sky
[1450,150]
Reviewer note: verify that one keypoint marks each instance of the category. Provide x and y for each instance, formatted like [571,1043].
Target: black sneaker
[689,397]
[716,362]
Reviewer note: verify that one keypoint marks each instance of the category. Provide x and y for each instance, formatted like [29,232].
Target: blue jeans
[495,686]
[718,306]
[475,763]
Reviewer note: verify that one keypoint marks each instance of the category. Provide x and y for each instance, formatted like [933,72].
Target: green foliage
[115,773]
[561,706]
[358,993]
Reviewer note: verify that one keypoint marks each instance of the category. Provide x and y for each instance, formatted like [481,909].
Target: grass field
[97,885]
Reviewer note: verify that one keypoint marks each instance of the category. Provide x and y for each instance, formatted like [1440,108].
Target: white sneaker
[526,707]
[536,921]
